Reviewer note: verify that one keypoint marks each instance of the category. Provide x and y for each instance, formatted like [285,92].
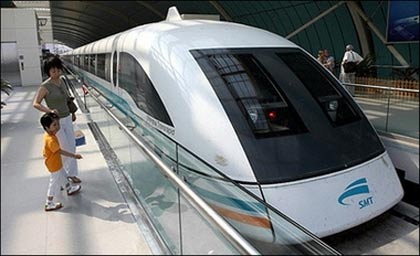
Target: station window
[135,81]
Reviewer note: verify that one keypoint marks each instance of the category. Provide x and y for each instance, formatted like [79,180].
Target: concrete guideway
[396,232]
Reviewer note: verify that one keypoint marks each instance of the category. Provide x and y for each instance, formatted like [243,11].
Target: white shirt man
[349,56]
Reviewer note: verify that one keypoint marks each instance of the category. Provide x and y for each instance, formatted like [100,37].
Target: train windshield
[265,107]
[294,120]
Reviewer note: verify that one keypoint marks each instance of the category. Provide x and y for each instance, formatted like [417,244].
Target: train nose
[341,200]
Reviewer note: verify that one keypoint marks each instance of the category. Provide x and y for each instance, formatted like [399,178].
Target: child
[52,154]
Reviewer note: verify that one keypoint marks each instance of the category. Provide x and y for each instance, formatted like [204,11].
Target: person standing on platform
[52,154]
[53,91]
[349,77]
[321,57]
[329,62]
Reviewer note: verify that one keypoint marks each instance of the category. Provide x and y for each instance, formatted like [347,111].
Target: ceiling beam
[72,33]
[221,10]
[110,10]
[88,16]
[152,9]
[78,22]
[77,27]
[72,29]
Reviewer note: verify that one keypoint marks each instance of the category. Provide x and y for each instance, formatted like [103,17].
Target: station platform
[95,221]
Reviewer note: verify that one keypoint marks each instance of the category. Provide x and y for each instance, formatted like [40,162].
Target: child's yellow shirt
[52,153]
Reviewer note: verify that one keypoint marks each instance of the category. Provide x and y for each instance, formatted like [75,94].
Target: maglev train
[256,107]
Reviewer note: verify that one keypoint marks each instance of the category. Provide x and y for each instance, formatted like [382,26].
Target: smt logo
[357,187]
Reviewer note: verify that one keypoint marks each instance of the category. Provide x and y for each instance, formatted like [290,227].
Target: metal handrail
[383,87]
[389,93]
[226,229]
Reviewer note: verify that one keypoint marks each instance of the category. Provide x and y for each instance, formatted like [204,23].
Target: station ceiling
[311,24]
[79,22]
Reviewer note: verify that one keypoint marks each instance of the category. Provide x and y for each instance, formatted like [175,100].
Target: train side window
[331,101]
[77,60]
[86,62]
[82,61]
[108,67]
[100,65]
[114,69]
[266,109]
[92,63]
[135,81]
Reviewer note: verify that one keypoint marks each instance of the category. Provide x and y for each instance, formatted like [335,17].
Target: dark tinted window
[77,60]
[108,66]
[266,109]
[85,62]
[114,68]
[92,63]
[331,101]
[134,80]
[303,109]
[100,65]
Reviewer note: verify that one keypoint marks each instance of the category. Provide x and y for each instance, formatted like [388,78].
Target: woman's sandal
[74,179]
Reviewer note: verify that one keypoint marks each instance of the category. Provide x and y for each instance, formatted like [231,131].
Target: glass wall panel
[266,229]
[178,222]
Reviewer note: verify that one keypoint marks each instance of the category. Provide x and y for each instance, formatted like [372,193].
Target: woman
[53,91]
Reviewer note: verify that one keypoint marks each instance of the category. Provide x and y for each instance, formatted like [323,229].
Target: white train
[254,106]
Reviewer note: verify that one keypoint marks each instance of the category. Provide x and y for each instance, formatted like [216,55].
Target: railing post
[387,108]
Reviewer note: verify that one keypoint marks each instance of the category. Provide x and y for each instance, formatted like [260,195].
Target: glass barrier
[268,230]
[184,229]
[173,216]
[390,109]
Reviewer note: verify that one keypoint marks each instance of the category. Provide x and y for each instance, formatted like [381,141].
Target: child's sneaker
[51,206]
[73,189]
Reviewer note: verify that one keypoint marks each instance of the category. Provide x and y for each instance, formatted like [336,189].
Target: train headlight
[253,114]
[332,105]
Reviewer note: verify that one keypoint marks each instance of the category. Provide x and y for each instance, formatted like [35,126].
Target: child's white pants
[57,179]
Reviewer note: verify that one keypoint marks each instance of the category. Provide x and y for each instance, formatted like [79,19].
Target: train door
[114,58]
[114,61]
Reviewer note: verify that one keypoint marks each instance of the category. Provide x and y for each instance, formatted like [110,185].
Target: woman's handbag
[72,106]
[70,100]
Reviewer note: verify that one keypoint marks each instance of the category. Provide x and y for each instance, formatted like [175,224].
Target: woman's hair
[52,62]
[47,119]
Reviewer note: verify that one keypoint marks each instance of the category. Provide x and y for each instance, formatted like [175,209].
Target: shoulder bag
[350,66]
[70,100]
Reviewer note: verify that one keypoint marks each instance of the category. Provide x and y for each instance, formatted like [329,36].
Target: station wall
[20,27]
